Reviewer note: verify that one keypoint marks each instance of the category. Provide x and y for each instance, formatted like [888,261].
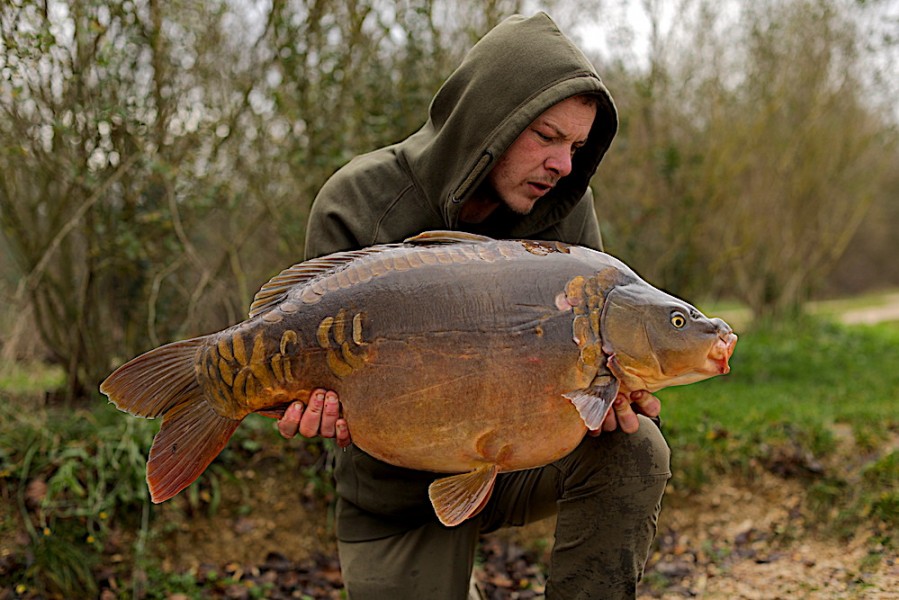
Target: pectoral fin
[459,497]
[594,402]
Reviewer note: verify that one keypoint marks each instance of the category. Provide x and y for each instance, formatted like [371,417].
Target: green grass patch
[73,476]
[32,377]
[793,387]
[72,480]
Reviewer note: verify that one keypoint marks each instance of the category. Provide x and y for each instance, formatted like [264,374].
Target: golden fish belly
[512,443]
[497,402]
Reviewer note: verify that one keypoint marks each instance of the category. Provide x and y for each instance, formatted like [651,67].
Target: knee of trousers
[617,458]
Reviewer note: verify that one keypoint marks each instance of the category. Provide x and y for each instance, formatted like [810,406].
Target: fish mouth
[721,351]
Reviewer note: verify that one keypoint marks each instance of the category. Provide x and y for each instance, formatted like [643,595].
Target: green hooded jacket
[510,77]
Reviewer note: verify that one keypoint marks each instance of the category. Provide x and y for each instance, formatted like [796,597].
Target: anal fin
[459,497]
[594,402]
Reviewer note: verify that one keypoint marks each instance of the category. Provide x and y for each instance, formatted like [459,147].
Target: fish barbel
[451,353]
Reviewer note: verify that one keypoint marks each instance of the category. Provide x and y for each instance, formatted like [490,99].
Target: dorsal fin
[272,293]
[446,237]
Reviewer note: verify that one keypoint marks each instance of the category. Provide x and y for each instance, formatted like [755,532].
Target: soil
[737,539]
[887,310]
[265,514]
[754,541]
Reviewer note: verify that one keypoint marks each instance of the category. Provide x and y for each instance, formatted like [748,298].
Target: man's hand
[623,415]
[320,416]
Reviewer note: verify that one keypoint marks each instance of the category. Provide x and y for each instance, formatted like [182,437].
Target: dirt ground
[753,542]
[736,540]
[748,541]
[887,310]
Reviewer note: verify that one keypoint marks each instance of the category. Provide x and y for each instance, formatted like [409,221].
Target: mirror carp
[451,352]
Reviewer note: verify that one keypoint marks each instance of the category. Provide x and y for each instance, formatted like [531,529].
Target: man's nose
[559,161]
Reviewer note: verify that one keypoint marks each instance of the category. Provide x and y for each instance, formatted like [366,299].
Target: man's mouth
[540,187]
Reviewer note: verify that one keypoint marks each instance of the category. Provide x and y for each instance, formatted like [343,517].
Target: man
[512,140]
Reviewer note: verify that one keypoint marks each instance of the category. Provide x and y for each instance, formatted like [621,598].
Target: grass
[71,477]
[788,378]
[72,482]
[31,378]
[810,400]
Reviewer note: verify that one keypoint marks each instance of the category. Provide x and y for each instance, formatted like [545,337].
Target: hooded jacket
[509,78]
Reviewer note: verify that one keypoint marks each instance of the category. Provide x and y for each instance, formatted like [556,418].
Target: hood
[512,75]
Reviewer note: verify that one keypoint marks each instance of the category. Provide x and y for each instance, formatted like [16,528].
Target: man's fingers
[649,405]
[289,424]
[330,415]
[627,418]
[610,423]
[622,414]
[319,417]
[343,433]
[312,416]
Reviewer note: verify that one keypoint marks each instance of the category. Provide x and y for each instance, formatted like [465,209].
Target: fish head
[655,340]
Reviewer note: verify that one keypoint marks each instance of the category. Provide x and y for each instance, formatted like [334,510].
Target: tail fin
[164,382]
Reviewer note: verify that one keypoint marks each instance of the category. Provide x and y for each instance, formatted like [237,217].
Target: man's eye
[542,136]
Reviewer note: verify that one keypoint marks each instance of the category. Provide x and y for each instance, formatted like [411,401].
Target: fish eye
[678,320]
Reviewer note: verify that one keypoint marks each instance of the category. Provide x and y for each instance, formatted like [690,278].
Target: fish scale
[451,353]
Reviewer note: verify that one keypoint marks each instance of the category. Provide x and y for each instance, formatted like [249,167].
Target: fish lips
[721,351]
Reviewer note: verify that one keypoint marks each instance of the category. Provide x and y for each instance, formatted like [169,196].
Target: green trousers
[606,495]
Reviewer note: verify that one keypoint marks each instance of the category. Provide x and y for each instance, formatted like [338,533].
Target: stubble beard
[512,206]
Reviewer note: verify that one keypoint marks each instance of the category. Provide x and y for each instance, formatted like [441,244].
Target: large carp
[451,353]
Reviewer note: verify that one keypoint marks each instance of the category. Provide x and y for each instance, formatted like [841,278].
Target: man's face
[541,155]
